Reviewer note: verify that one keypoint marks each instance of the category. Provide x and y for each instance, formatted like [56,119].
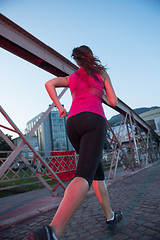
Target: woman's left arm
[112,99]
[51,86]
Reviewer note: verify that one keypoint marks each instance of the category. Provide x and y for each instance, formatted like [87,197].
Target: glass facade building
[51,134]
[60,140]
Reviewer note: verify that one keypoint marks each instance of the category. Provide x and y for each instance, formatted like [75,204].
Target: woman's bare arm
[112,99]
[51,86]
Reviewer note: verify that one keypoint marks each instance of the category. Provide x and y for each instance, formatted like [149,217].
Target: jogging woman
[86,129]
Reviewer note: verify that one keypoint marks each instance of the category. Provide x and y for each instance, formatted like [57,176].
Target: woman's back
[86,93]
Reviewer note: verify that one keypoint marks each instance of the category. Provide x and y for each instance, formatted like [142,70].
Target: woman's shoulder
[104,75]
[73,76]
[78,71]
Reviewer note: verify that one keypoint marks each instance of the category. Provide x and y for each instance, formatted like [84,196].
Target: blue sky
[124,34]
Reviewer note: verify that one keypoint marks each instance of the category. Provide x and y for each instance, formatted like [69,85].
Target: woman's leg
[87,134]
[101,192]
[73,197]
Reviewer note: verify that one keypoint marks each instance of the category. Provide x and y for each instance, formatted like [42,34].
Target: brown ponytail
[87,60]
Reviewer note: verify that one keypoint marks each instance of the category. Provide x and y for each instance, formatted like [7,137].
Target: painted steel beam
[18,41]
[15,39]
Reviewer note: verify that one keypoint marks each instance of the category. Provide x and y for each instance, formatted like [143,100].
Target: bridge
[143,143]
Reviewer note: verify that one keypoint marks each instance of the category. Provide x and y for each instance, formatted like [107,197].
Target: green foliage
[4,146]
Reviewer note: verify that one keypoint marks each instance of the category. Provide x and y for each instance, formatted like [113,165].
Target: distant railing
[19,175]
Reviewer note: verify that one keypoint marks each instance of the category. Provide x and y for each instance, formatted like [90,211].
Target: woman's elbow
[113,102]
[47,85]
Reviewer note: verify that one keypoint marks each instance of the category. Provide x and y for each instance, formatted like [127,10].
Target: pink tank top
[86,93]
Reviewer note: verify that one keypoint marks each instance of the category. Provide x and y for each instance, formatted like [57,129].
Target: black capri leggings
[87,133]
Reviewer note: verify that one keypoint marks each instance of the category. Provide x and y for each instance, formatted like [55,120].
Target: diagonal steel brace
[25,140]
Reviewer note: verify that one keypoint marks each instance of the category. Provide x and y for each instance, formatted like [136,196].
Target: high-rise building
[59,137]
[51,134]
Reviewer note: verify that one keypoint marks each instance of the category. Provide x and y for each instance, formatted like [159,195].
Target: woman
[86,129]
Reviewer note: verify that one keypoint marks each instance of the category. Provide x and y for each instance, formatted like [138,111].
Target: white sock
[54,236]
[111,218]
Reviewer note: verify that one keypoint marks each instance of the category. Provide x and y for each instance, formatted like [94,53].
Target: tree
[4,146]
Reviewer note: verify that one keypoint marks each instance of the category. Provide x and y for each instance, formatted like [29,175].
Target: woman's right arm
[112,99]
[51,86]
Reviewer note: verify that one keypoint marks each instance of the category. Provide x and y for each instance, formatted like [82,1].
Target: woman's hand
[62,112]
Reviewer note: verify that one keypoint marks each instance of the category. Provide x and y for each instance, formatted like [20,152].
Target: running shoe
[44,233]
[112,224]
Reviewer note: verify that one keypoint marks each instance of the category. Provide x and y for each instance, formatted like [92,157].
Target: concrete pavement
[137,195]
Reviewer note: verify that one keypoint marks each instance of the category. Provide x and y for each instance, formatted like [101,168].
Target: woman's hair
[87,60]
